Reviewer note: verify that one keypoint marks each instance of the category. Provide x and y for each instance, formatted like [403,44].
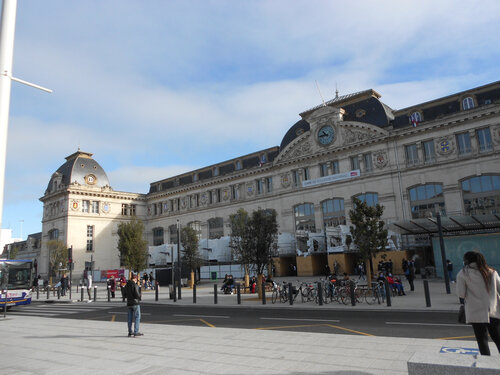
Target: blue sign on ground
[469,351]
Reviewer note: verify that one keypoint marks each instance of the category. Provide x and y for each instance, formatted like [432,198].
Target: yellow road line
[113,318]
[297,326]
[349,330]
[455,338]
[207,323]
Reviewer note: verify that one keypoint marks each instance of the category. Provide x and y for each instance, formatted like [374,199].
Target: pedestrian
[328,272]
[361,269]
[133,296]
[88,282]
[145,280]
[152,280]
[64,284]
[449,268]
[112,286]
[477,287]
[410,275]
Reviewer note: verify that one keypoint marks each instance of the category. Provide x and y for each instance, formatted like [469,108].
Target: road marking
[306,320]
[207,323]
[124,313]
[113,318]
[350,330]
[204,316]
[297,326]
[455,338]
[427,324]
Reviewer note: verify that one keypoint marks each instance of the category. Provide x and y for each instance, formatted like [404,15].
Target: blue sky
[156,88]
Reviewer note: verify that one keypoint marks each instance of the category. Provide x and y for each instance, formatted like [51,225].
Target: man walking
[134,309]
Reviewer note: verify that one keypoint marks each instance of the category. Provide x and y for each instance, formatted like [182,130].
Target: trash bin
[213,275]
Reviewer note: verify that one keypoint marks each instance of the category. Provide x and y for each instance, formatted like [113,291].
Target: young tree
[131,245]
[191,256]
[58,256]
[368,230]
[261,236]
[243,254]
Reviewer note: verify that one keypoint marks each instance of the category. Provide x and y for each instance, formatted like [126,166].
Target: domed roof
[300,127]
[81,168]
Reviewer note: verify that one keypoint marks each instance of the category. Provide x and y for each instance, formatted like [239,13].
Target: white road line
[124,313]
[426,324]
[30,313]
[204,316]
[305,320]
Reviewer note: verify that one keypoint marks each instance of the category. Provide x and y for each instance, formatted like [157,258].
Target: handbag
[461,314]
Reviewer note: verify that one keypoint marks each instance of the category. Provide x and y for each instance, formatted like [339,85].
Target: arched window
[333,212]
[196,225]
[215,228]
[158,236]
[371,199]
[426,200]
[468,103]
[304,217]
[481,195]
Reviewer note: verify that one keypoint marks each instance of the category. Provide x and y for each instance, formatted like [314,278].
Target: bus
[16,280]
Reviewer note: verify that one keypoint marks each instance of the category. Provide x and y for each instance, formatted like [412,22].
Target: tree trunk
[260,278]
[191,280]
[369,273]
[247,277]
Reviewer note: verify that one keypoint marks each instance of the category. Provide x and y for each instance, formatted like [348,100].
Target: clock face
[326,135]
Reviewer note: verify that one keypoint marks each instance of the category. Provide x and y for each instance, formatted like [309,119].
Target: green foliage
[189,241]
[368,230]
[58,256]
[14,251]
[239,224]
[131,245]
[254,238]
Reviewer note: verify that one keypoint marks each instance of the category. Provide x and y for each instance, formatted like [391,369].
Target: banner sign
[331,178]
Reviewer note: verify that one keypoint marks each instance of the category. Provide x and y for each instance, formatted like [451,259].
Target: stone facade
[355,145]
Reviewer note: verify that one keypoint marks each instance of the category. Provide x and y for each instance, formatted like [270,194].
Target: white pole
[7,31]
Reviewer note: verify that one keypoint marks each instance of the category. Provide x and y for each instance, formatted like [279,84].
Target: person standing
[410,275]
[89,284]
[449,268]
[64,284]
[477,287]
[133,296]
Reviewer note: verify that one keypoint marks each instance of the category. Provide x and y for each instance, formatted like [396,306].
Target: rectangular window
[85,206]
[335,167]
[260,188]
[306,174]
[411,155]
[355,163]
[484,140]
[367,158]
[234,192]
[155,209]
[323,170]
[132,210]
[429,152]
[269,184]
[217,193]
[90,238]
[210,197]
[296,178]
[463,143]
[95,207]
[124,209]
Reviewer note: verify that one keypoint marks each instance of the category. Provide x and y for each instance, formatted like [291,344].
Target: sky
[160,87]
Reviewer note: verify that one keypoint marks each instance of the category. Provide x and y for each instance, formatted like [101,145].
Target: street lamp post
[179,256]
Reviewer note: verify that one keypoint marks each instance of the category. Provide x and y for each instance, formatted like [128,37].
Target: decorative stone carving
[445,146]
[183,203]
[354,136]
[225,194]
[75,205]
[250,189]
[299,150]
[381,159]
[286,180]
[496,133]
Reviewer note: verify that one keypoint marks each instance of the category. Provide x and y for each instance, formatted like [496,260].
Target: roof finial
[336,91]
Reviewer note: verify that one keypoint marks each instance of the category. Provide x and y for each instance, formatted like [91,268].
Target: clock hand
[323,135]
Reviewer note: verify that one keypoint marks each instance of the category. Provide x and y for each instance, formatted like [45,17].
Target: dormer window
[237,165]
[195,177]
[468,103]
[216,171]
[416,118]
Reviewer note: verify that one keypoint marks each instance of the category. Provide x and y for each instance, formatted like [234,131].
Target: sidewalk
[414,301]
[36,346]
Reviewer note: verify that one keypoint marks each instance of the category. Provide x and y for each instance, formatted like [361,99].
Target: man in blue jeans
[134,309]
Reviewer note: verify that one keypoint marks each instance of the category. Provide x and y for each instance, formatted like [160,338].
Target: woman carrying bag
[478,285]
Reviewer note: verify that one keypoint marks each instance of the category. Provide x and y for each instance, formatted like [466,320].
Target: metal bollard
[215,294]
[194,293]
[263,294]
[427,294]
[95,293]
[81,292]
[54,291]
[238,294]
[48,291]
[290,295]
[157,290]
[388,293]
[109,293]
[353,295]
[320,293]
[37,292]
[174,292]
[59,293]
